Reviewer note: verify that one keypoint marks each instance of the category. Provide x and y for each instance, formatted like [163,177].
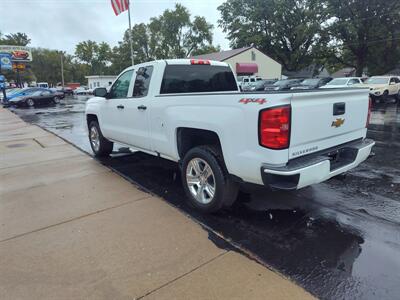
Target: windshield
[310,81]
[376,80]
[13,91]
[337,81]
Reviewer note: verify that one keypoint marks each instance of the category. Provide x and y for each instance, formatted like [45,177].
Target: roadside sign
[5,61]
[18,66]
[18,53]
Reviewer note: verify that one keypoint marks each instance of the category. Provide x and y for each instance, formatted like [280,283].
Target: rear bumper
[315,168]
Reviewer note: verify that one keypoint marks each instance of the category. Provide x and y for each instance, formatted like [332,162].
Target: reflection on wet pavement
[338,239]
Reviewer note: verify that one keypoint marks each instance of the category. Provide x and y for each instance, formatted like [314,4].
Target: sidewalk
[72,229]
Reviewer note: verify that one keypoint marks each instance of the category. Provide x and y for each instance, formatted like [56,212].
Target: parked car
[311,83]
[81,91]
[259,85]
[283,85]
[192,112]
[37,98]
[44,85]
[65,90]
[342,82]
[383,86]
[244,81]
[23,92]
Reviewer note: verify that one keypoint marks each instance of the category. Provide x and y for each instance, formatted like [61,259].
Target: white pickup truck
[193,113]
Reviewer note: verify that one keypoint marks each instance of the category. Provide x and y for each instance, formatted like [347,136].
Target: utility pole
[130,32]
[62,70]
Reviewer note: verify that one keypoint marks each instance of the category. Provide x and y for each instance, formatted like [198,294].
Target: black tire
[225,189]
[56,99]
[385,95]
[30,102]
[104,147]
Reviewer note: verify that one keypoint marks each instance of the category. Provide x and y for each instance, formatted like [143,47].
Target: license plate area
[341,157]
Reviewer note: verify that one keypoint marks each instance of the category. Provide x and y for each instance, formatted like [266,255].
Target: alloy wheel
[200,180]
[95,138]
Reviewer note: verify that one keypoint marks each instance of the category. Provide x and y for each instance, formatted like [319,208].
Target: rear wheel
[56,99]
[99,144]
[206,181]
[30,102]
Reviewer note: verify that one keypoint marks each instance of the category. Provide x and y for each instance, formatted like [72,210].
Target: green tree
[365,33]
[15,39]
[286,30]
[206,49]
[97,56]
[170,35]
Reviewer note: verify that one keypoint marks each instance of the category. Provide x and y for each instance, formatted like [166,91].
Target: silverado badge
[337,123]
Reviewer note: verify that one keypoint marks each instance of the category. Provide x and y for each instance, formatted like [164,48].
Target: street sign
[18,66]
[18,53]
[5,61]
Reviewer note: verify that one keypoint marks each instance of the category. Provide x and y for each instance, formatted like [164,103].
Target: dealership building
[96,81]
[247,61]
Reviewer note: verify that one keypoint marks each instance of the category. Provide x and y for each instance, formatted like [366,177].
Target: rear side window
[197,79]
[142,82]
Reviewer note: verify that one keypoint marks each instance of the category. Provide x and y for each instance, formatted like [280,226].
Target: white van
[44,85]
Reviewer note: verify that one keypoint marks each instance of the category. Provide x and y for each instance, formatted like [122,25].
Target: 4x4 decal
[253,100]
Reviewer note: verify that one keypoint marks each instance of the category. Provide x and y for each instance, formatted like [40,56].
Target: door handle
[120,107]
[142,107]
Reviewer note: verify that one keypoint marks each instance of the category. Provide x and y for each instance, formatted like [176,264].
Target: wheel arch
[90,118]
[188,138]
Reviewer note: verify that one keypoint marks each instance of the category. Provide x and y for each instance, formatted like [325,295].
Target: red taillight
[274,131]
[199,62]
[369,112]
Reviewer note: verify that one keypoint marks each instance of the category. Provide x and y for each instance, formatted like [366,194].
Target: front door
[135,120]
[112,110]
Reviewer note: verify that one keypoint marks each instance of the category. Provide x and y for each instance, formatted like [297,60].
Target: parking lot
[339,239]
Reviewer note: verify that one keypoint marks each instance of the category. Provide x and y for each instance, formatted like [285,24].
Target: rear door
[322,120]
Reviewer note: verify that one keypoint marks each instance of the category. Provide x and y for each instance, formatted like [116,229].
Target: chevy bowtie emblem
[337,123]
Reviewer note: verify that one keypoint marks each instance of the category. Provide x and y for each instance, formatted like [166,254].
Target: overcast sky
[61,24]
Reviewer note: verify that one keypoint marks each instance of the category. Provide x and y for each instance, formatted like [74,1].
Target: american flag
[119,6]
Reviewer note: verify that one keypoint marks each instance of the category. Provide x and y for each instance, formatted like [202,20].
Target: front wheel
[30,102]
[99,144]
[205,180]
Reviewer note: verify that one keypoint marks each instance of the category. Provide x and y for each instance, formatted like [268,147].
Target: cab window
[142,82]
[121,86]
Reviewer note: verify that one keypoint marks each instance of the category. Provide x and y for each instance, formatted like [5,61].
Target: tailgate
[326,119]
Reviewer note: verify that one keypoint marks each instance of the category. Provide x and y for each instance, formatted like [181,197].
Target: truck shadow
[299,238]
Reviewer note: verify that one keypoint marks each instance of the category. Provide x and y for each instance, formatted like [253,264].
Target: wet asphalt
[339,239]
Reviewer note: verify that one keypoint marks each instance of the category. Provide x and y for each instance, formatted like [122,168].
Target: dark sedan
[283,85]
[42,97]
[311,83]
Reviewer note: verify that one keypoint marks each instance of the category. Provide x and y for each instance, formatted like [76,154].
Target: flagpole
[130,32]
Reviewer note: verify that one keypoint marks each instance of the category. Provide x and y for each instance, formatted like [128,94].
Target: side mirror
[100,92]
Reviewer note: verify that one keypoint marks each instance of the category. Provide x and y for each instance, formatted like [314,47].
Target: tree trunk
[360,65]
